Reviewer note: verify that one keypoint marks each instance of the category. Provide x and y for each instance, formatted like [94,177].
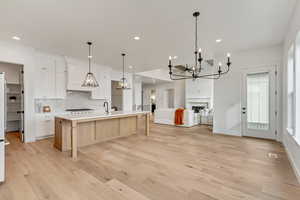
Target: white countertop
[94,115]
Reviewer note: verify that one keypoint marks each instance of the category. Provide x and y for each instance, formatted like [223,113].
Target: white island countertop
[96,115]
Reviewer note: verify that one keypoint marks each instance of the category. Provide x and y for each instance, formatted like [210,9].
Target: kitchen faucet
[105,104]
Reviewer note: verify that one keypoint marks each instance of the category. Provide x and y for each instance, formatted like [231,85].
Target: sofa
[166,116]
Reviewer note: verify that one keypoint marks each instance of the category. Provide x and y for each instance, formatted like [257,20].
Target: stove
[78,109]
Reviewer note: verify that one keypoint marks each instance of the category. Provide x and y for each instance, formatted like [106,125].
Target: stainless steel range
[79,111]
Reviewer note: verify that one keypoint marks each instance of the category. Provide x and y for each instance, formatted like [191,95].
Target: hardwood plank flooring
[173,163]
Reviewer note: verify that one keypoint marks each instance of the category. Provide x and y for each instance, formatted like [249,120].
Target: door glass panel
[258,101]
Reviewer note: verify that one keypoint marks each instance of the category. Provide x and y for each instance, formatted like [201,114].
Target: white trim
[270,68]
[290,131]
[294,166]
[44,137]
[227,132]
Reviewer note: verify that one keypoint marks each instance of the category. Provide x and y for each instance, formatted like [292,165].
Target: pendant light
[123,83]
[90,79]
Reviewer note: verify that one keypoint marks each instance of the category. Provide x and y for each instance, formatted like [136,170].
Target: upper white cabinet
[102,75]
[76,72]
[60,78]
[50,76]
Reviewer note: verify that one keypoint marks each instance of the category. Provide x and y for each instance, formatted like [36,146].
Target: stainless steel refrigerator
[2,125]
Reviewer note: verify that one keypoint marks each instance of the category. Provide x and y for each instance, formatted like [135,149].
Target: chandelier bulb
[228,55]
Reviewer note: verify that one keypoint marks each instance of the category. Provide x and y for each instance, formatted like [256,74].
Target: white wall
[116,96]
[160,92]
[200,90]
[227,90]
[22,55]
[12,72]
[292,147]
[127,94]
[160,74]
[137,93]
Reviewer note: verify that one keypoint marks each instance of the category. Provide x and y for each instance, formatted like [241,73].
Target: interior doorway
[259,103]
[153,100]
[116,97]
[14,105]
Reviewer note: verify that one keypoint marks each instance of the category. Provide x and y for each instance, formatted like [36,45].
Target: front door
[259,103]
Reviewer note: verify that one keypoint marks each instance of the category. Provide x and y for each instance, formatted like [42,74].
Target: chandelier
[90,79]
[123,83]
[196,71]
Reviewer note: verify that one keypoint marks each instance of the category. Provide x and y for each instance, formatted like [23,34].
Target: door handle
[244,112]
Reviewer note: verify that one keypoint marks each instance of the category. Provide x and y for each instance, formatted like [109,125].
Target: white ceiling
[166,27]
[150,81]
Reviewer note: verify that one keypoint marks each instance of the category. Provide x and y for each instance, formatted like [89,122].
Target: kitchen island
[73,131]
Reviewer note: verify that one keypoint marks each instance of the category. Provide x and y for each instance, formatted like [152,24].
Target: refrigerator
[2,125]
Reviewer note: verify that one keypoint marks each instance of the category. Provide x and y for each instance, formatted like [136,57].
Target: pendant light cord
[123,54]
[196,41]
[90,57]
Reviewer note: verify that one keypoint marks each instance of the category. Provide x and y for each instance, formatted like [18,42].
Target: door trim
[273,68]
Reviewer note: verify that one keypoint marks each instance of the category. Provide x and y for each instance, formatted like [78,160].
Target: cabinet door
[44,125]
[103,78]
[60,78]
[45,77]
[76,73]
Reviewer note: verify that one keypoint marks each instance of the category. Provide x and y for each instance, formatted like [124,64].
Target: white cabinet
[50,77]
[44,125]
[76,72]
[44,76]
[102,75]
[60,78]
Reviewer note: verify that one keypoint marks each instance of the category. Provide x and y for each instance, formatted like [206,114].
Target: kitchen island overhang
[74,131]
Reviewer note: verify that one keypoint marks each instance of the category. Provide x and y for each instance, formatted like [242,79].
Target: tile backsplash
[74,99]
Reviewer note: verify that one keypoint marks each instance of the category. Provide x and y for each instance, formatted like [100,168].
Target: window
[291,91]
[297,90]
[258,101]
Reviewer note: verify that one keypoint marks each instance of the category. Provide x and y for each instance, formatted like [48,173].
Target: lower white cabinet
[44,124]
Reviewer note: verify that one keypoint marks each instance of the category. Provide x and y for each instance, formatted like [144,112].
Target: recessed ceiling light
[130,67]
[16,38]
[218,40]
[136,38]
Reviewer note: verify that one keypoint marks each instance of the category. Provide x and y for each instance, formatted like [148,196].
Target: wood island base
[71,133]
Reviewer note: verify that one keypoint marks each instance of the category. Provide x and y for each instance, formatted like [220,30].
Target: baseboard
[226,132]
[44,137]
[294,166]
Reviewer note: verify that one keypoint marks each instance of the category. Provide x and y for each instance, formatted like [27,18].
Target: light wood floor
[172,164]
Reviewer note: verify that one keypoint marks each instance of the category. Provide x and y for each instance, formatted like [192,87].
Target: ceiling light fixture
[16,38]
[218,40]
[90,79]
[195,71]
[123,83]
[136,38]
